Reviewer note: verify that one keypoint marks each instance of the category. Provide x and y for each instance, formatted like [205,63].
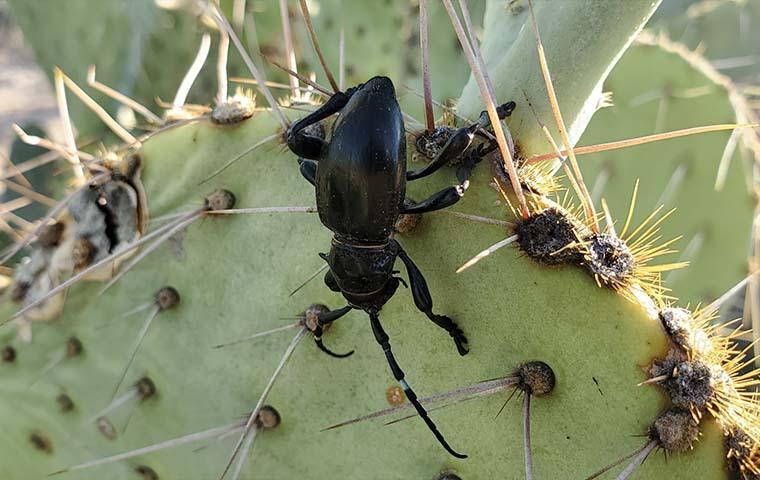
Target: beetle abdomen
[361,180]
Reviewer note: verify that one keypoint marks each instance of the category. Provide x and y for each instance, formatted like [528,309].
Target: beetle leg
[454,147]
[438,201]
[460,141]
[424,302]
[383,340]
[502,111]
[324,319]
[465,170]
[308,170]
[310,146]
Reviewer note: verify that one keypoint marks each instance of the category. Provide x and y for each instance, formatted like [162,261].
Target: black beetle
[360,178]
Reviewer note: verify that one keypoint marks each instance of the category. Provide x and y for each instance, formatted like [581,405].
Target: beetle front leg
[424,302]
[460,141]
[310,146]
[454,147]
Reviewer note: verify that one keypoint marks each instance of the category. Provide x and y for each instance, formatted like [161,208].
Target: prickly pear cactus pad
[594,411]
[217,239]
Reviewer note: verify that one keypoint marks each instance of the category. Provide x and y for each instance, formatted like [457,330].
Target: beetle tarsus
[326,318]
[424,302]
[438,201]
[384,341]
[456,333]
[322,347]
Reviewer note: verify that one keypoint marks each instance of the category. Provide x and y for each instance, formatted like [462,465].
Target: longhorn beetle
[360,178]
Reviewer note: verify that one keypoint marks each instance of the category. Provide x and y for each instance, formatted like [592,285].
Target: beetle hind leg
[424,302]
[384,341]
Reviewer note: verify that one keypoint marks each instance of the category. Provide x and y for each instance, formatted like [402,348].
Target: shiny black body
[360,180]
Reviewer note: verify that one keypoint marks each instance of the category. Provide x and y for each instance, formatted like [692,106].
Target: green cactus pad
[235,275]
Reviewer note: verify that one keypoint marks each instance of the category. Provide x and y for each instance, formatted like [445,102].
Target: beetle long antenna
[428,95]
[252,417]
[238,157]
[480,75]
[585,197]
[221,67]
[315,44]
[290,54]
[487,387]
[72,154]
[192,73]
[617,462]
[311,277]
[488,251]
[259,335]
[175,442]
[219,18]
[244,451]
[46,219]
[82,273]
[526,438]
[632,142]
[121,98]
[133,352]
[112,124]
[638,460]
